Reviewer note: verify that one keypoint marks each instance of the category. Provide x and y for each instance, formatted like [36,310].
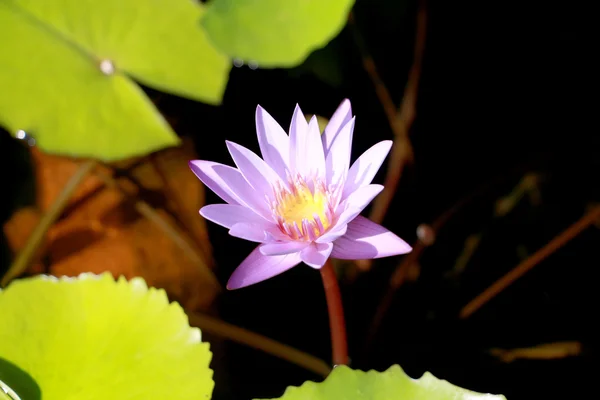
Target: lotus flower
[302,200]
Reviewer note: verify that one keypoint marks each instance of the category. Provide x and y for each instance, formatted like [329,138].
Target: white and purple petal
[365,239]
[313,163]
[253,232]
[258,267]
[205,171]
[365,167]
[228,215]
[240,187]
[316,254]
[258,173]
[355,203]
[273,141]
[337,161]
[341,116]
[281,248]
[298,133]
[332,234]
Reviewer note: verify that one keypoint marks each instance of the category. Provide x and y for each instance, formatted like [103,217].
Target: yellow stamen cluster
[302,210]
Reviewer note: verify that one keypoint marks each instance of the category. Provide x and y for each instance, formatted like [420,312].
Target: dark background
[506,90]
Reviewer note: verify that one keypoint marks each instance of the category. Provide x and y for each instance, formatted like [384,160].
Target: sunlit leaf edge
[238,44]
[392,384]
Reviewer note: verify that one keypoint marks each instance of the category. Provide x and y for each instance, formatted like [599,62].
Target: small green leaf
[53,86]
[346,384]
[274,33]
[93,338]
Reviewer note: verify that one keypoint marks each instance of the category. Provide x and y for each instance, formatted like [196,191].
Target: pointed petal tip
[257,268]
[402,247]
[206,172]
[298,110]
[350,124]
[366,167]
[337,122]
[346,103]
[232,146]
[199,165]
[229,143]
[366,240]
[251,231]
[192,166]
[345,107]
[237,280]
[233,285]
[260,112]
[204,214]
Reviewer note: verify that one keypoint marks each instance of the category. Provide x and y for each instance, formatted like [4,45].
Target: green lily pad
[274,33]
[346,384]
[65,75]
[93,338]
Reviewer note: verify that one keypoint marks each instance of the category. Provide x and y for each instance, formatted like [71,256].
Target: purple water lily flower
[302,200]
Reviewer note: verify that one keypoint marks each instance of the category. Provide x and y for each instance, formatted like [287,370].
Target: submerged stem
[24,257]
[259,342]
[337,324]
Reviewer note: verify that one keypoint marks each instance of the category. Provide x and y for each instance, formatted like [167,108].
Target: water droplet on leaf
[107,67]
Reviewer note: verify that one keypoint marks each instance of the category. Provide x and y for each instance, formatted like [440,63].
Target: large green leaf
[93,338]
[346,384]
[52,85]
[274,33]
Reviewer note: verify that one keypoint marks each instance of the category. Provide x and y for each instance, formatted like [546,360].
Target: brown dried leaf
[52,173]
[18,228]
[101,230]
[141,249]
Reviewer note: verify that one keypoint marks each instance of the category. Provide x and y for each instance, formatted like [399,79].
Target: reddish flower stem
[337,324]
